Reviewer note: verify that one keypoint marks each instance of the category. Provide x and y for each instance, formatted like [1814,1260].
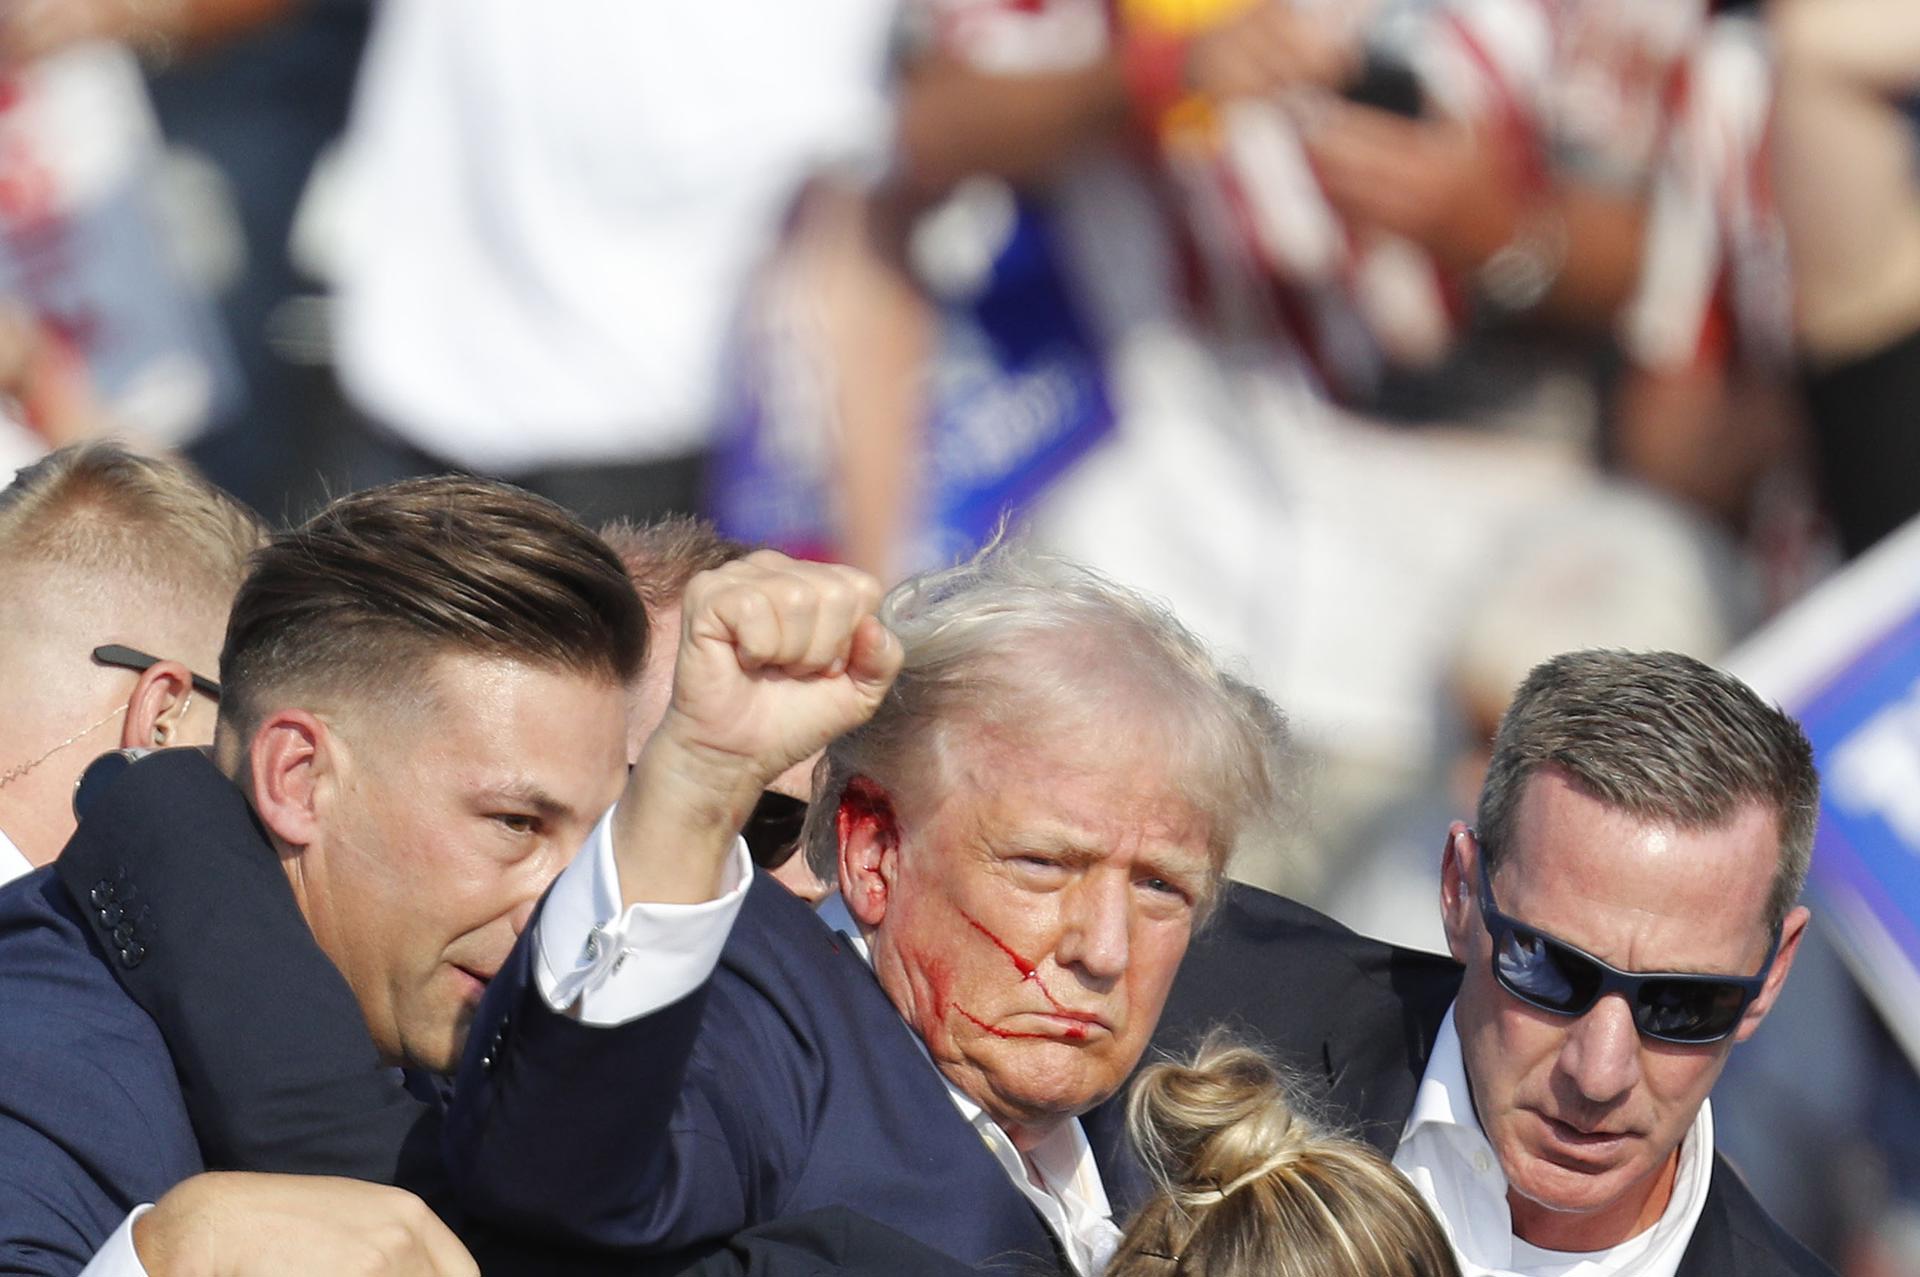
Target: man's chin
[1553,1181]
[1045,1092]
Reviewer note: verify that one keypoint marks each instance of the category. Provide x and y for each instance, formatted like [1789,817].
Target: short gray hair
[1014,638]
[1660,736]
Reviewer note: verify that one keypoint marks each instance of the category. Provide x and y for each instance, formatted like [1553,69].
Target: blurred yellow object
[1182,17]
[1192,120]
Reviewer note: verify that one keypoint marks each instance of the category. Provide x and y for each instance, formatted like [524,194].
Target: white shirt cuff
[117,1257]
[609,967]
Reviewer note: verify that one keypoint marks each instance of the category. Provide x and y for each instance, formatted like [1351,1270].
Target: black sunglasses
[132,658]
[773,830]
[1551,974]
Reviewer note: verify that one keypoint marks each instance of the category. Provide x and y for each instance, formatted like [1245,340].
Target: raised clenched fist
[777,657]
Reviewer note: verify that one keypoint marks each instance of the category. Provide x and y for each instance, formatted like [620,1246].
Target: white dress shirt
[1444,1151]
[13,862]
[585,946]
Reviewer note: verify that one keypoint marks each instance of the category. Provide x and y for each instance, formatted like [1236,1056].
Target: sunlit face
[1585,1114]
[441,829]
[1033,922]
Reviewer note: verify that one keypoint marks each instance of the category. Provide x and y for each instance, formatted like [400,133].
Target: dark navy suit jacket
[786,1083]
[164,1009]
[92,1121]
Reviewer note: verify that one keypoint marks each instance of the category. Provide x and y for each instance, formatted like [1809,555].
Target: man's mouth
[1051,1025]
[1588,1140]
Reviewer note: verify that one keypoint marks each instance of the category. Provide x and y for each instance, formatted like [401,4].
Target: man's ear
[1792,930]
[160,698]
[1456,895]
[289,761]
[869,835]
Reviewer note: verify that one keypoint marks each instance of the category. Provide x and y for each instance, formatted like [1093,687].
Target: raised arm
[610,1096]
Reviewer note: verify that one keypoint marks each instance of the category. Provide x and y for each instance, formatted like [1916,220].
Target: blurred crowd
[1397,344]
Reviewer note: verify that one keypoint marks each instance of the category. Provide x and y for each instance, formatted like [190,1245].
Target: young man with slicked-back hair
[428,711]
[424,715]
[117,571]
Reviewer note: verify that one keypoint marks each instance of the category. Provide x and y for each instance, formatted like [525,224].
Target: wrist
[1519,274]
[676,824]
[165,1248]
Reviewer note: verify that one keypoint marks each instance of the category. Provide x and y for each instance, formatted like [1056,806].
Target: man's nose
[1098,919]
[1601,1055]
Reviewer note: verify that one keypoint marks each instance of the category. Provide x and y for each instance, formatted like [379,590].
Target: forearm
[879,332]
[1873,45]
[1605,241]
[1590,244]
[200,23]
[675,829]
[956,121]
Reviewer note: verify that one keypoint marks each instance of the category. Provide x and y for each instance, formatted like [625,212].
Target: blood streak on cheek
[1027,973]
[998,1032]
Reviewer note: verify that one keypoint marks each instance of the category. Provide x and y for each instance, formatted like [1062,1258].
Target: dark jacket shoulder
[92,1122]
[786,1084]
[1736,1237]
[1353,1018]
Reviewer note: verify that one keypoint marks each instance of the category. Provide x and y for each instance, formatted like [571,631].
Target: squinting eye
[1161,886]
[515,822]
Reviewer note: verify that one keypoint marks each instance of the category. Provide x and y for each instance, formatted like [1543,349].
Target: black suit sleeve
[183,891]
[1735,1237]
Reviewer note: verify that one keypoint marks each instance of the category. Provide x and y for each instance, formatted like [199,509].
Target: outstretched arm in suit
[605,1123]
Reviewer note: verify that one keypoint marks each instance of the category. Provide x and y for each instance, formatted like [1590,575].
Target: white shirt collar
[1444,1151]
[13,862]
[1070,1197]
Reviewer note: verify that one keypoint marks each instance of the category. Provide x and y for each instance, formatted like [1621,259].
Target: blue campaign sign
[1846,662]
[1018,394]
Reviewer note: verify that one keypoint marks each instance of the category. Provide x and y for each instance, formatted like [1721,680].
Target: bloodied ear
[869,836]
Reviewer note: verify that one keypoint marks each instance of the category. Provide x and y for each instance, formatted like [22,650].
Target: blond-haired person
[1248,1186]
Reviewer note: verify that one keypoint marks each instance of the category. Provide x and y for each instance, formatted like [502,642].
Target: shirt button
[1482,1163]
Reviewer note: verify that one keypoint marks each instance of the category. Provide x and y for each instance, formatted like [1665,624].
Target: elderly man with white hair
[1025,836]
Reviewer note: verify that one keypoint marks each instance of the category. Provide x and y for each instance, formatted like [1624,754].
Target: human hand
[1267,48]
[1439,183]
[232,1224]
[777,658]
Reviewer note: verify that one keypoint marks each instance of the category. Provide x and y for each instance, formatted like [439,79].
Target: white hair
[1016,644]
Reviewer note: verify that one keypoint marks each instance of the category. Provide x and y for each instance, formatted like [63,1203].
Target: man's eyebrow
[525,794]
[1062,846]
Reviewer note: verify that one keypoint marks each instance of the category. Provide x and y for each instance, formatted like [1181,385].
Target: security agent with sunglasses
[1624,916]
[116,575]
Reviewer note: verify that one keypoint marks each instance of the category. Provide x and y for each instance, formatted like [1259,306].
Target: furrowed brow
[527,795]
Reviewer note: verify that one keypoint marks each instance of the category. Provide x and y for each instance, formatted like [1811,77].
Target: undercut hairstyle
[1664,738]
[662,557]
[366,594]
[1020,648]
[1248,1186]
[100,510]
